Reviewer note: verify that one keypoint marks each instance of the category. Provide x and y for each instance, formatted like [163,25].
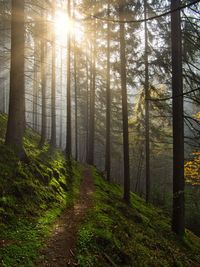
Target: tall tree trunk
[16,118]
[178,217]
[68,141]
[76,105]
[75,92]
[89,100]
[4,95]
[61,97]
[87,109]
[92,103]
[2,63]
[53,86]
[43,86]
[107,156]
[146,86]
[35,86]
[124,106]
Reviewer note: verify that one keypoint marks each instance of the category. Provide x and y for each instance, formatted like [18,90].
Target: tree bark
[43,86]
[107,156]
[75,94]
[124,106]
[68,141]
[178,216]
[35,85]
[146,86]
[87,110]
[16,117]
[92,103]
[61,97]
[53,86]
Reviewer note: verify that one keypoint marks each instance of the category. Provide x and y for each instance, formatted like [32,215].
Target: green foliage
[32,195]
[114,234]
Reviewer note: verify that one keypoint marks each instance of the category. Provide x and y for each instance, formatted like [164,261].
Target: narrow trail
[60,248]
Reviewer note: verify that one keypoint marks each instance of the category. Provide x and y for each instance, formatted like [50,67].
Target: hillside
[32,195]
[35,193]
[115,234]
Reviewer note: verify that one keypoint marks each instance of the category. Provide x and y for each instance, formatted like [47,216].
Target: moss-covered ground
[115,234]
[32,195]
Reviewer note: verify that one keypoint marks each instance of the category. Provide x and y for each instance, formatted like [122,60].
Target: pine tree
[16,118]
[53,85]
[108,102]
[43,51]
[124,105]
[178,217]
[68,140]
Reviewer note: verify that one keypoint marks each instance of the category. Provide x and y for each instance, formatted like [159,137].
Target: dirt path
[60,249]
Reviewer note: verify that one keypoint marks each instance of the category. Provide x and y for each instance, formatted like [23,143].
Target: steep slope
[32,195]
[114,234]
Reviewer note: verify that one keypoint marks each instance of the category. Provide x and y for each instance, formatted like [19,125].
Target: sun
[63,25]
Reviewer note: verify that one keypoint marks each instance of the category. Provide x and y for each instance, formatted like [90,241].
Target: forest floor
[59,250]
[99,229]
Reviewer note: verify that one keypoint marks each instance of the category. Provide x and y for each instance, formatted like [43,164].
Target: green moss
[32,196]
[29,214]
[114,234]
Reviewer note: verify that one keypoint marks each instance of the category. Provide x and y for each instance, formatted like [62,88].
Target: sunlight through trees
[113,84]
